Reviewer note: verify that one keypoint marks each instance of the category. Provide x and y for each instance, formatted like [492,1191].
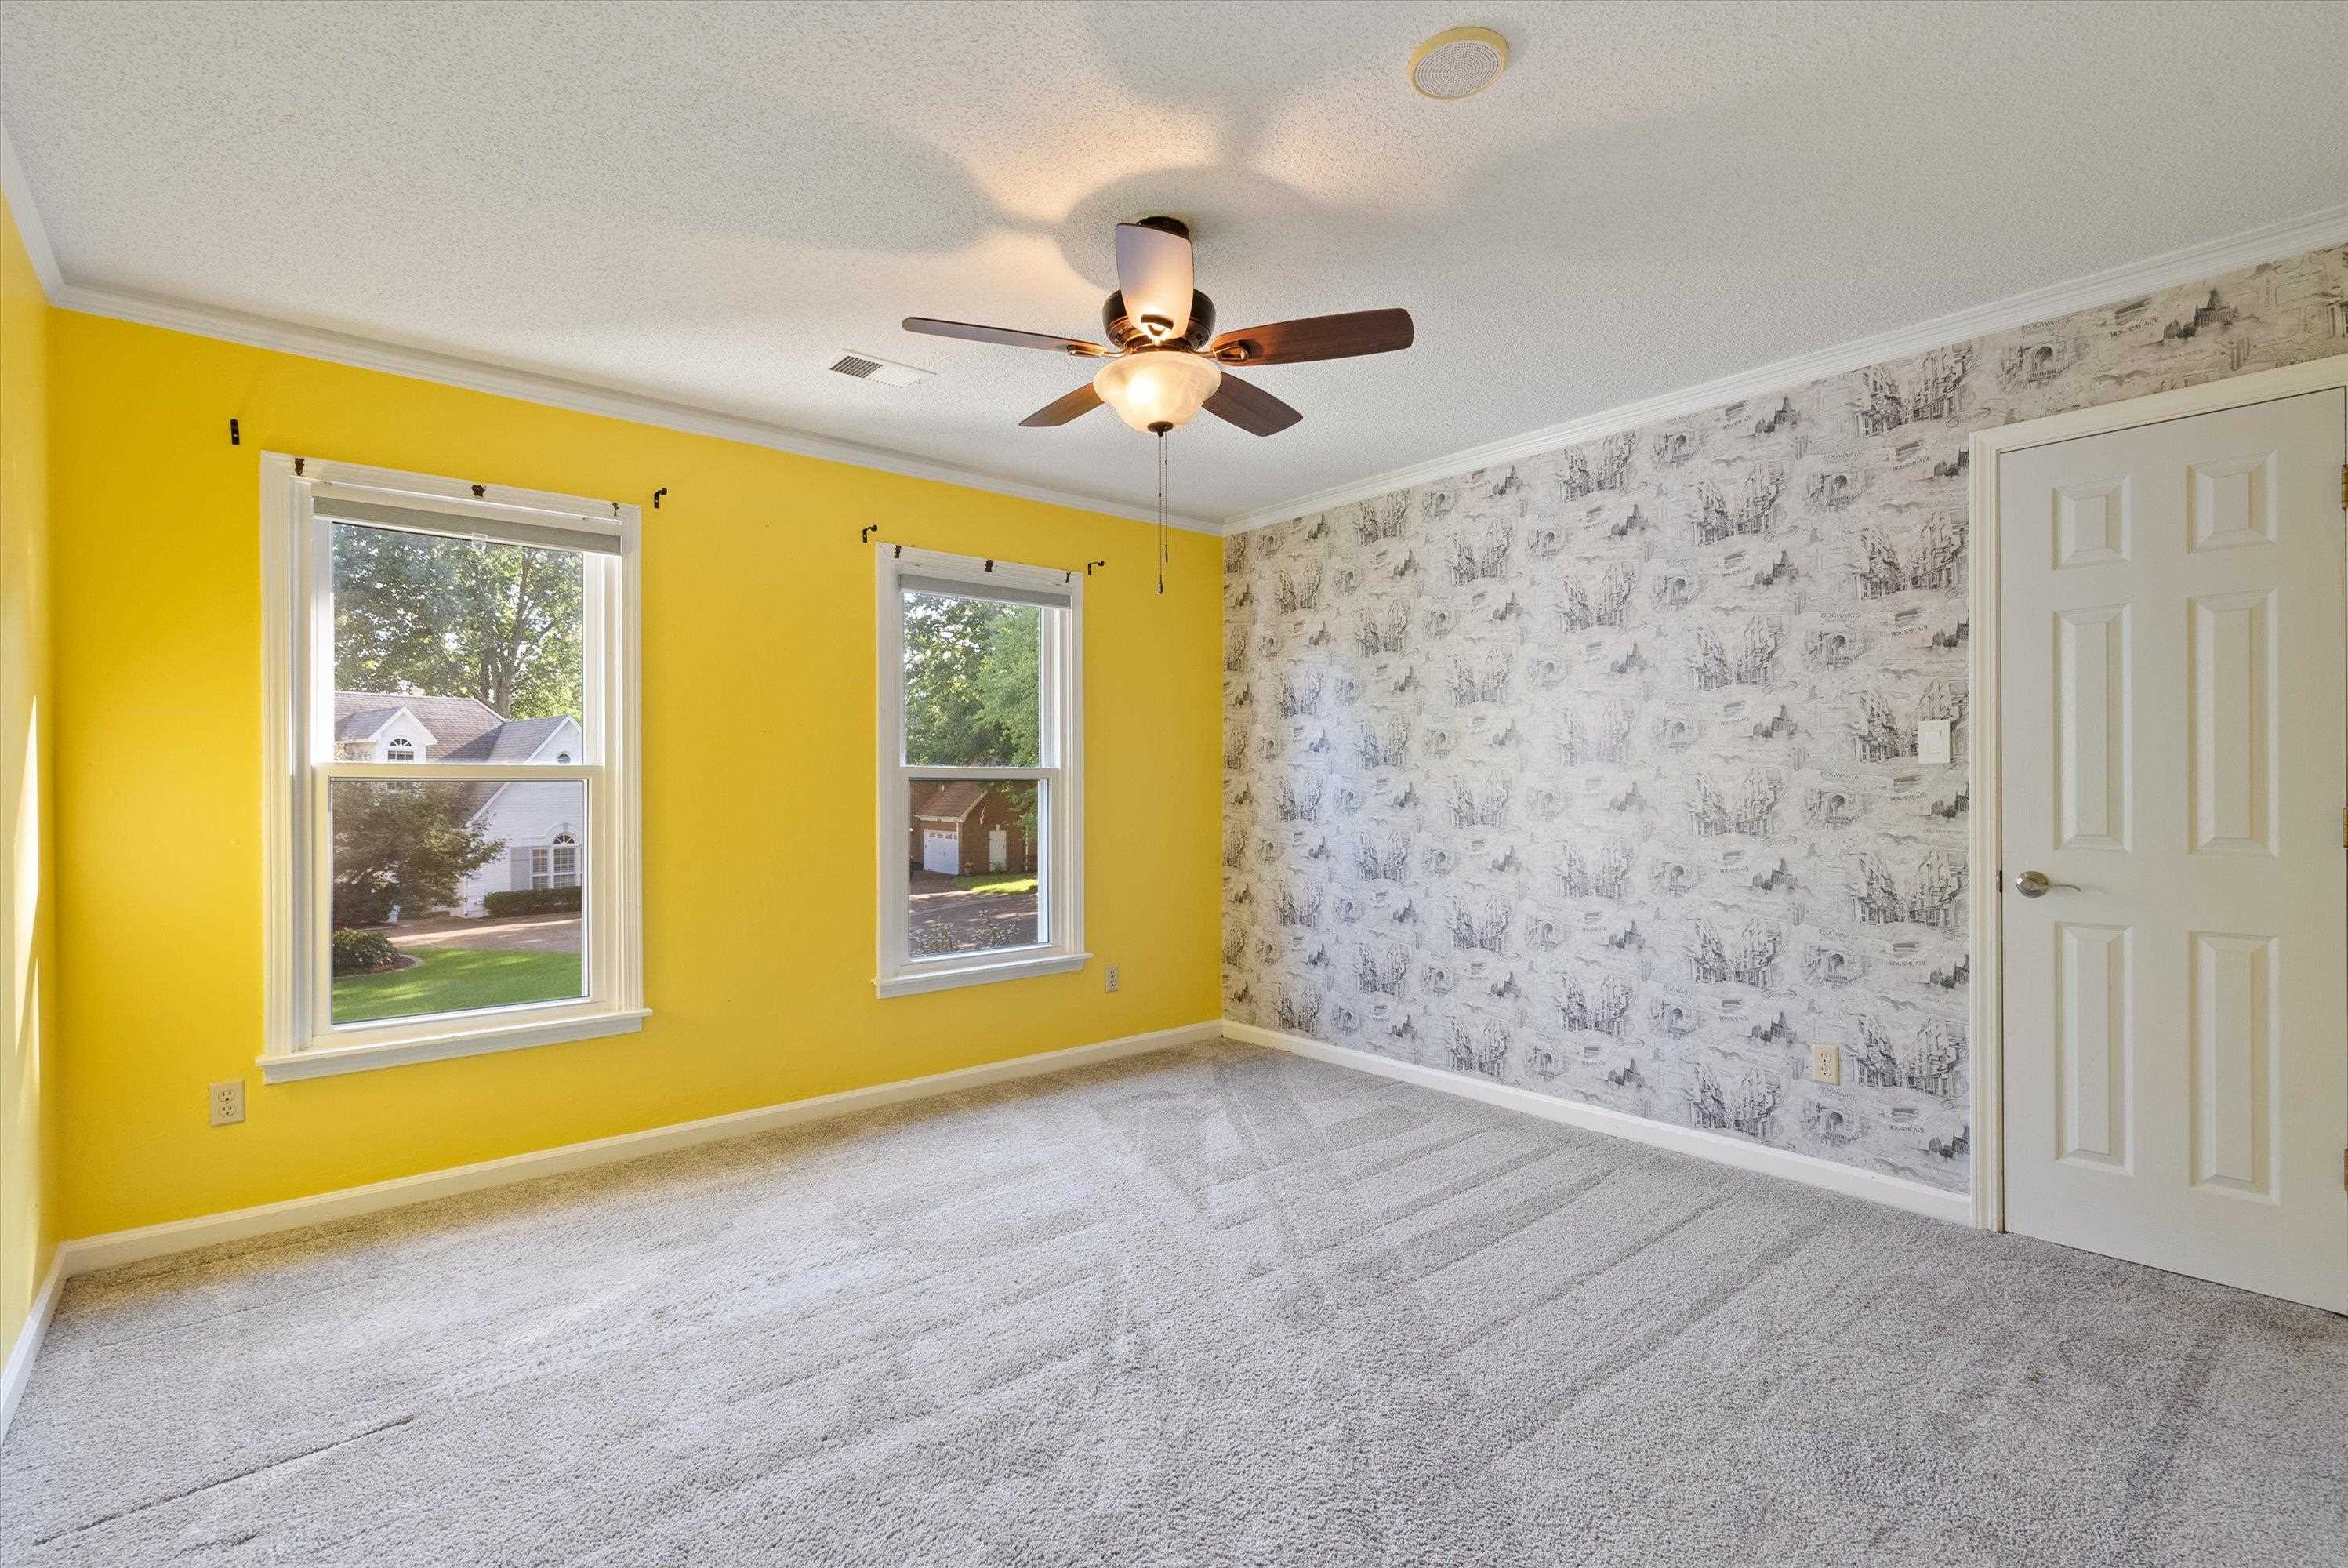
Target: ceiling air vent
[864,368]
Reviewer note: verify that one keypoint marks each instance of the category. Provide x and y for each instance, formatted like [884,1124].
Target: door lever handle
[2033,884]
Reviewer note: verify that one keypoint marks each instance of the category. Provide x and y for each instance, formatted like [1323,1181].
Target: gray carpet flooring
[1216,1306]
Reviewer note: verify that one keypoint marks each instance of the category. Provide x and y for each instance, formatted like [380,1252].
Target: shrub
[532,901]
[363,952]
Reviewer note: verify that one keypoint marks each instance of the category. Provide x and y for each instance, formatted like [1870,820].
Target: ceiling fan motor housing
[1126,333]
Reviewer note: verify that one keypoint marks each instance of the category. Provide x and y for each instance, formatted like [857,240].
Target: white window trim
[1061,880]
[296,627]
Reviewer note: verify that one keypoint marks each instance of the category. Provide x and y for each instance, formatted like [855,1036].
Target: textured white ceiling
[708,202]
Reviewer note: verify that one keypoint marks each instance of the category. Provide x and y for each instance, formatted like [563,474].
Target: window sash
[443,517]
[304,763]
[1047,782]
[458,772]
[322,1032]
[600,579]
[1059,838]
[988,593]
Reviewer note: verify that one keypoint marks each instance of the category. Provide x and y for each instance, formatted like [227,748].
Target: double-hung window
[981,812]
[557,865]
[451,834]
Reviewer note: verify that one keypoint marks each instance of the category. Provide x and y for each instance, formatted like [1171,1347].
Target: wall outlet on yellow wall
[1113,978]
[228,1102]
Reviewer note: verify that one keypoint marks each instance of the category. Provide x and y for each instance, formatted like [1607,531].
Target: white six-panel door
[2175,763]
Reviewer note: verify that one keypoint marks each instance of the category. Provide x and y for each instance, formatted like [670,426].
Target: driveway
[516,932]
[969,922]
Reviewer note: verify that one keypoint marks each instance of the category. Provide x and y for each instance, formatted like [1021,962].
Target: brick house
[965,827]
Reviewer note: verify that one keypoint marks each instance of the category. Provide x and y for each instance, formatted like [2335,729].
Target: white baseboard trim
[118,1247]
[1913,1196]
[19,1369]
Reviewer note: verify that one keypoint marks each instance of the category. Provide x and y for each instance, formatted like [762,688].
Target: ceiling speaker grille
[1458,63]
[854,364]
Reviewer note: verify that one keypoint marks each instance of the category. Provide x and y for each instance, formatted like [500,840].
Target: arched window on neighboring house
[400,751]
[555,863]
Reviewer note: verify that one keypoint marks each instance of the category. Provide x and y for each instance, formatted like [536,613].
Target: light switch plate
[1933,740]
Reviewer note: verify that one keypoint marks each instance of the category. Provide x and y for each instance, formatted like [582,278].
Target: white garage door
[941,852]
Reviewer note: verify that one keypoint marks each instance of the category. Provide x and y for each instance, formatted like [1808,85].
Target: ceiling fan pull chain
[1162,514]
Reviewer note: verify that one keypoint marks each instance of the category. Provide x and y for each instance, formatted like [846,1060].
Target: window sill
[326,1061]
[921,980]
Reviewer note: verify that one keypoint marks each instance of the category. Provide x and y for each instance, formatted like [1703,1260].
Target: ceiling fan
[1165,364]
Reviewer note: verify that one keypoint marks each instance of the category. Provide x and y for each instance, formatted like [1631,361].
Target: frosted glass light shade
[1162,386]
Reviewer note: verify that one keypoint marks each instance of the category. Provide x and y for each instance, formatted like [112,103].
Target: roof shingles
[953,801]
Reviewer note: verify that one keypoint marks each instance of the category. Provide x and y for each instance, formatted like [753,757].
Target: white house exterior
[542,825]
[544,836]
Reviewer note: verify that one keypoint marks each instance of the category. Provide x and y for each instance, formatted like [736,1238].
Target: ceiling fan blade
[1003,334]
[1251,408]
[1083,400]
[1315,337]
[1153,273]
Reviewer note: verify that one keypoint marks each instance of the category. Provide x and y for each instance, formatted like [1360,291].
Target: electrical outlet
[228,1102]
[1112,977]
[1826,1063]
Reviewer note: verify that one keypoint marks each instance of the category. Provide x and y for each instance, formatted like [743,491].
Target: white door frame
[1985,745]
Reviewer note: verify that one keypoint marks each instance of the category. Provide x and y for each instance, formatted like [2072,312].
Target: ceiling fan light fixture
[1158,387]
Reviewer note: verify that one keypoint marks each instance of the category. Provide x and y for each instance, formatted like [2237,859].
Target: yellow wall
[29,1209]
[759,778]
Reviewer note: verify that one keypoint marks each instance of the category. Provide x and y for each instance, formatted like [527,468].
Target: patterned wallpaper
[1597,773]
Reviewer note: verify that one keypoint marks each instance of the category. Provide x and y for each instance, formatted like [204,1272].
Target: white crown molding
[1934,1203]
[29,227]
[535,386]
[502,380]
[2292,237]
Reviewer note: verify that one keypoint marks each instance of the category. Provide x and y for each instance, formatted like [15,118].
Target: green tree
[972,673]
[429,614]
[1010,682]
[403,846]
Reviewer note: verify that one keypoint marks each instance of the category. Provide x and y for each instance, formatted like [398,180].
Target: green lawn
[456,979]
[996,882]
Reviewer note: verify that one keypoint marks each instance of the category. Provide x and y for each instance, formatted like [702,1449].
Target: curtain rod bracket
[656,497]
[481,490]
[864,535]
[1091,564]
[235,437]
[297,466]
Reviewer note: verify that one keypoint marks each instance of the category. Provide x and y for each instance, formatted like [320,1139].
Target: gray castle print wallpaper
[1596,773]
